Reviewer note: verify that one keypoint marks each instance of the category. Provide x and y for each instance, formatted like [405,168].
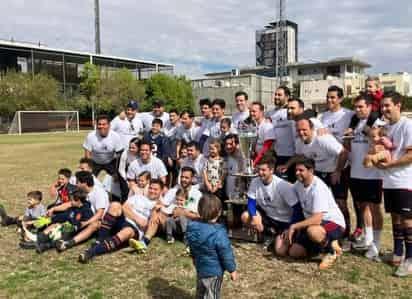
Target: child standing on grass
[210,248]
[214,172]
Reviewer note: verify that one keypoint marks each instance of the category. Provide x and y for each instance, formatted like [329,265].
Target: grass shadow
[161,288]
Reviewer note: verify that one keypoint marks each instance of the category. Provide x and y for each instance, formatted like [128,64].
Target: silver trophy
[247,142]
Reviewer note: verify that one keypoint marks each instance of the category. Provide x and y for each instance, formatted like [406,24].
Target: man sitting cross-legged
[121,223]
[324,223]
[158,217]
[99,202]
[271,204]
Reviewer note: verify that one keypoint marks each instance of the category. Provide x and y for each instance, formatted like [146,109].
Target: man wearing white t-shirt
[194,160]
[285,136]
[271,201]
[99,202]
[280,100]
[365,183]
[103,146]
[265,133]
[323,223]
[397,180]
[145,162]
[167,208]
[242,113]
[213,131]
[205,106]
[130,126]
[158,111]
[122,223]
[337,119]
[187,132]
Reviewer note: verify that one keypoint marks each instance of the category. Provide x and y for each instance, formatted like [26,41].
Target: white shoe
[405,268]
[373,253]
[362,245]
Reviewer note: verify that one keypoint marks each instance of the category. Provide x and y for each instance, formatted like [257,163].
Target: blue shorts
[122,223]
[333,232]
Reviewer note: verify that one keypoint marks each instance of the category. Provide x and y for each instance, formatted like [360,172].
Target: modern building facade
[66,66]
[399,82]
[266,44]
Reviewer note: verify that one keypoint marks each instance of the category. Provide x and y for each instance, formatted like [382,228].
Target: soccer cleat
[373,253]
[139,246]
[170,239]
[62,245]
[86,257]
[27,245]
[335,246]
[42,247]
[405,268]
[327,261]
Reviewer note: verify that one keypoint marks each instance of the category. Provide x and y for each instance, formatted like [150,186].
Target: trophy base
[236,229]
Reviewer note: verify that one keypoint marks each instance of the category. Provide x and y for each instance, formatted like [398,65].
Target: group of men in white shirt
[323,155]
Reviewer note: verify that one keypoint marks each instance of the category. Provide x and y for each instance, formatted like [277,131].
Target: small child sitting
[379,148]
[35,209]
[211,249]
[142,184]
[177,224]
[67,223]
[61,189]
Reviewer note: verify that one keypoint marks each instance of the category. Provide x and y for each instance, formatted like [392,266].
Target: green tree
[90,85]
[19,91]
[175,90]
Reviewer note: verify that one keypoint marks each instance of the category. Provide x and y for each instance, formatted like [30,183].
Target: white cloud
[201,36]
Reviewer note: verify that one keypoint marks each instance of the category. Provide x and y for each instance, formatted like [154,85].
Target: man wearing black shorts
[365,183]
[397,181]
[271,202]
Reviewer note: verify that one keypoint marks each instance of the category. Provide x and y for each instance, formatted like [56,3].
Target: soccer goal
[44,121]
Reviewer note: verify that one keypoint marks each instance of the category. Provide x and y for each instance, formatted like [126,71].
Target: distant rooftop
[349,60]
[13,45]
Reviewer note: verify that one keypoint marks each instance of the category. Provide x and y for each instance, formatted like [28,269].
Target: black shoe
[3,214]
[86,257]
[27,245]
[64,245]
[42,247]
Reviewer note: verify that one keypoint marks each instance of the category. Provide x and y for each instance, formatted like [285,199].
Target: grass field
[31,162]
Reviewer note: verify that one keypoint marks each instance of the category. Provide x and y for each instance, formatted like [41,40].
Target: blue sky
[203,36]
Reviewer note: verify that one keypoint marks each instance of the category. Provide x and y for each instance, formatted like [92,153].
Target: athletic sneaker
[405,268]
[139,246]
[62,245]
[86,257]
[268,243]
[170,239]
[373,253]
[42,247]
[362,245]
[327,261]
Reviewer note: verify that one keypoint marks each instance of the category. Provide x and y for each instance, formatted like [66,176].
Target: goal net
[44,121]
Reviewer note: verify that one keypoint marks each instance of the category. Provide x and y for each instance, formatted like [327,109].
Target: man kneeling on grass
[99,202]
[121,223]
[324,223]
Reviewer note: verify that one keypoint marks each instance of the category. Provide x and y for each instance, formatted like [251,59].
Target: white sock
[368,235]
[377,238]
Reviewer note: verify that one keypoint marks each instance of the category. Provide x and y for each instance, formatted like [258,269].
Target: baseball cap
[158,103]
[133,104]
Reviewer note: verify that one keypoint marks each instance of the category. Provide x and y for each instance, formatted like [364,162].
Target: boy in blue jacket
[210,248]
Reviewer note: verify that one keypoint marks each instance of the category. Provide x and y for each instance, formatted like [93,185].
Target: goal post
[44,122]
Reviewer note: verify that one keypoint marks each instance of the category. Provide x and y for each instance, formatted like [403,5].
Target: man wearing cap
[158,111]
[130,126]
